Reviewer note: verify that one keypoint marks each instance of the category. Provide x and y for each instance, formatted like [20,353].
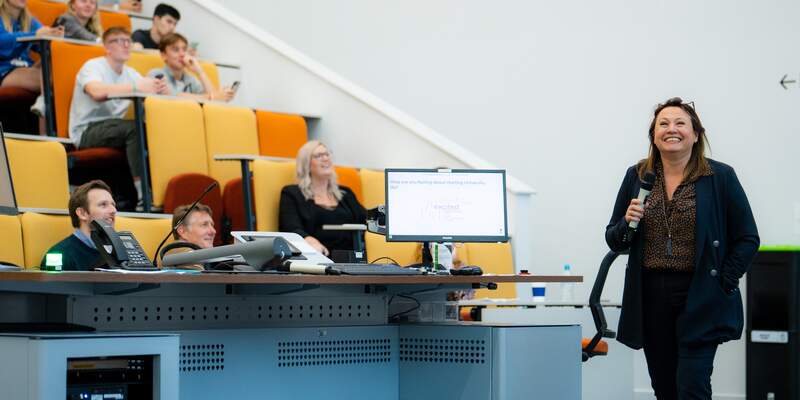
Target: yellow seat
[280,135]
[39,172]
[176,141]
[40,232]
[144,61]
[149,232]
[493,258]
[269,178]
[374,193]
[229,130]
[11,250]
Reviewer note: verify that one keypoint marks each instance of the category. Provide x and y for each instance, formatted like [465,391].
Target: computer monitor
[8,202]
[446,205]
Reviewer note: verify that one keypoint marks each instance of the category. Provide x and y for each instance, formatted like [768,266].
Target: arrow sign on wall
[784,81]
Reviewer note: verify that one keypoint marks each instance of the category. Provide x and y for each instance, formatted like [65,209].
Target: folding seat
[45,11]
[493,258]
[280,135]
[348,176]
[374,193]
[40,232]
[269,178]
[149,232]
[39,172]
[11,250]
[112,18]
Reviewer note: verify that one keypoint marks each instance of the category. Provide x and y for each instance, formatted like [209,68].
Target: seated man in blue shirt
[88,202]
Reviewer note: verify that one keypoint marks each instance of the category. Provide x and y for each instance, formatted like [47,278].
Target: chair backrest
[39,172]
[229,130]
[269,178]
[11,249]
[493,258]
[176,141]
[46,11]
[280,135]
[184,189]
[149,232]
[68,58]
[373,189]
[40,232]
[144,61]
[348,176]
[109,19]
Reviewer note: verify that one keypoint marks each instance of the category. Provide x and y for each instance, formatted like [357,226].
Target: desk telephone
[119,249]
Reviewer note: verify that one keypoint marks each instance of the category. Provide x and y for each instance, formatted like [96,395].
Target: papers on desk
[160,271]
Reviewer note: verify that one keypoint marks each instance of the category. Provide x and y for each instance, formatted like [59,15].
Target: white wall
[559,93]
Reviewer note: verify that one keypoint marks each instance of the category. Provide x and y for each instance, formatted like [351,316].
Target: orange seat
[600,350]
[46,11]
[280,135]
[348,176]
[184,189]
[68,59]
[111,18]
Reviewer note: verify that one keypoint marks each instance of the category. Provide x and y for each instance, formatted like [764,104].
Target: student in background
[81,21]
[16,66]
[177,62]
[165,19]
[88,202]
[197,228]
[318,200]
[96,121]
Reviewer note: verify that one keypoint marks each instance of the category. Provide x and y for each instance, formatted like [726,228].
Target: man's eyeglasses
[320,156]
[122,41]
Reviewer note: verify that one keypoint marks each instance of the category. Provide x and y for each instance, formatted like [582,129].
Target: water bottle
[567,287]
[444,251]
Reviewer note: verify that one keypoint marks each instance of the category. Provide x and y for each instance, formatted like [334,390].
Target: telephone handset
[119,249]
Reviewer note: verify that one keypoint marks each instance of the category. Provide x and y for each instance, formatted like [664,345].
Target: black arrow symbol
[784,81]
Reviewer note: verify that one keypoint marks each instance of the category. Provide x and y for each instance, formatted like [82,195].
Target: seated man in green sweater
[88,202]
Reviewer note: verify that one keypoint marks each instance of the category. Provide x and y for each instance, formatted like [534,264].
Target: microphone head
[648,180]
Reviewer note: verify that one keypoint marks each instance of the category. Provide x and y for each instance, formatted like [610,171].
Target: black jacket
[726,241]
[301,216]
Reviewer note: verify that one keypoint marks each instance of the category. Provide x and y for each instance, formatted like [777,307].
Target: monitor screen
[8,203]
[428,205]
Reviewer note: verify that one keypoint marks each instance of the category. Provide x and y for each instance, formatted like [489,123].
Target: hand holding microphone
[635,211]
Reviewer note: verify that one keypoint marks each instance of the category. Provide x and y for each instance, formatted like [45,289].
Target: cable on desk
[384,258]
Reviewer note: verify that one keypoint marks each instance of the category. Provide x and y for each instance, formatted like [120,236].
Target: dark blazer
[298,214]
[726,241]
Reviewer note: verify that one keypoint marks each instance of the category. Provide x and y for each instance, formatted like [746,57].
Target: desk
[300,336]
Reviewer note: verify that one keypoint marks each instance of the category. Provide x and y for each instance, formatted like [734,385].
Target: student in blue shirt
[16,66]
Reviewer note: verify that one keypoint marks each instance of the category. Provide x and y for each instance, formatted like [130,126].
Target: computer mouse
[467,270]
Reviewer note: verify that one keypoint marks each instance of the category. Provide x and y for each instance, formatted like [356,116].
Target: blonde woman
[81,21]
[16,66]
[318,200]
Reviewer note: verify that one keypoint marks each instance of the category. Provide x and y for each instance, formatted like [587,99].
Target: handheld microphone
[186,214]
[646,186]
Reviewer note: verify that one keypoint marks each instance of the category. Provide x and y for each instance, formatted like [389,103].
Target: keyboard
[374,269]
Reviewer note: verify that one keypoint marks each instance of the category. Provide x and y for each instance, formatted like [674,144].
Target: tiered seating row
[28,235]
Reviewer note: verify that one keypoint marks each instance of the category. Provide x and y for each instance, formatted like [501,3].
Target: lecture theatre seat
[109,165]
[15,105]
[11,250]
[493,258]
[149,232]
[280,135]
[46,11]
[373,189]
[230,130]
[269,178]
[176,142]
[112,18]
[40,232]
[184,189]
[39,173]
[68,58]
[348,176]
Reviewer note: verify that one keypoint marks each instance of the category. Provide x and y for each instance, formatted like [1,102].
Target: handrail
[401,118]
